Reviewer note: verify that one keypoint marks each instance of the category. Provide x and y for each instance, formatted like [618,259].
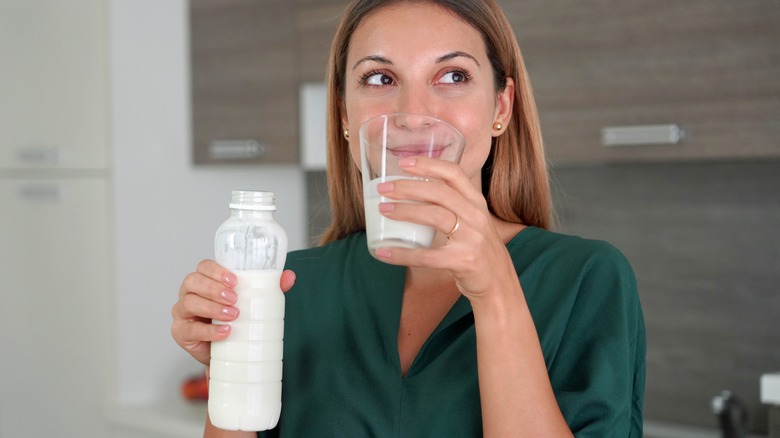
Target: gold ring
[454,228]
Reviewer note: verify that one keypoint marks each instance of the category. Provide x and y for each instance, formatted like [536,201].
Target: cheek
[474,156]
[354,150]
[478,144]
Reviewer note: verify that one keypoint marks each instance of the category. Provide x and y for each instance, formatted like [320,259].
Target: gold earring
[498,126]
[346,133]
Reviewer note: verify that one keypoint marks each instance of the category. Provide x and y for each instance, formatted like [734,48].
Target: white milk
[245,387]
[384,232]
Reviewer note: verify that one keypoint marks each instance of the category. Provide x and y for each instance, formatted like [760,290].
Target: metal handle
[642,135]
[38,156]
[235,149]
[41,192]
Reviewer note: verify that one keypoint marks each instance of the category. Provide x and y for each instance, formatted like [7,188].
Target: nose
[415,100]
[413,121]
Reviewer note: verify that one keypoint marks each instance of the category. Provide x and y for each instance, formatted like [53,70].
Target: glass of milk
[384,140]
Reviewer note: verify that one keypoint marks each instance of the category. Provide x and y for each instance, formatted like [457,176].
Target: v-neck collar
[388,282]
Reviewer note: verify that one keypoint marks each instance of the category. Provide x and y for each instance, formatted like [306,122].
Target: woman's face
[420,58]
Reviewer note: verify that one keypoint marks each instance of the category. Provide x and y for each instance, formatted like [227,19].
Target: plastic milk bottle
[245,386]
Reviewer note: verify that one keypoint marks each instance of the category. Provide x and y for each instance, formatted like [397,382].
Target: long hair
[515,181]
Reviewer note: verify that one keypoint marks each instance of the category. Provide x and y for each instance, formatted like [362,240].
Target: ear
[343,114]
[504,106]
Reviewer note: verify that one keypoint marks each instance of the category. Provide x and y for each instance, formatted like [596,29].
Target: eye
[376,78]
[455,77]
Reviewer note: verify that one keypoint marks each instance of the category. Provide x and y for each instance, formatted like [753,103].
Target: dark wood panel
[603,63]
[244,77]
[316,25]
[744,128]
[704,242]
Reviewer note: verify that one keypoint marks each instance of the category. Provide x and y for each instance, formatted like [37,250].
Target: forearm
[516,395]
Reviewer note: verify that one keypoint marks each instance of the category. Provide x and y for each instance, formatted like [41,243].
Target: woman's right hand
[204,295]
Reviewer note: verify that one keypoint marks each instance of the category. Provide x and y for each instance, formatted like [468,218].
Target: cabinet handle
[46,156]
[41,192]
[235,149]
[642,135]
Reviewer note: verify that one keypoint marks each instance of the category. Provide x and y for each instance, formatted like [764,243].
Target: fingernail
[386,207]
[230,279]
[383,253]
[223,328]
[407,162]
[230,312]
[228,296]
[384,187]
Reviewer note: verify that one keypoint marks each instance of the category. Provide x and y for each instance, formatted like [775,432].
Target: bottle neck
[253,214]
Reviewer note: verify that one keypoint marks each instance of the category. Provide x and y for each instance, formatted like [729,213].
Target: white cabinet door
[53,99]
[55,308]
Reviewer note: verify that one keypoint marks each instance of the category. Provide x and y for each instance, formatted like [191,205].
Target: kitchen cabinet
[55,224]
[244,82]
[55,318]
[248,59]
[52,83]
[709,66]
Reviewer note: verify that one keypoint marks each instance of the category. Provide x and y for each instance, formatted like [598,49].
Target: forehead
[415,27]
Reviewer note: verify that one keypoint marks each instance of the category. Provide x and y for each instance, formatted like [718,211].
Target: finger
[192,306]
[431,215]
[196,336]
[287,280]
[436,258]
[215,271]
[189,334]
[432,192]
[199,284]
[437,205]
[450,173]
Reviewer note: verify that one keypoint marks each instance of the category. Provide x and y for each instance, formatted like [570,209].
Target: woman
[502,328]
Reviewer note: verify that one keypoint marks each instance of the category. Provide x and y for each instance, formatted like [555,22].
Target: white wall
[167,210]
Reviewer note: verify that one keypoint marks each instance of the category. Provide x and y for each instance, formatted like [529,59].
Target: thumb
[287,280]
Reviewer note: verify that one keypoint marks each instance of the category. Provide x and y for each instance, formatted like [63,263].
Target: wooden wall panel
[316,24]
[248,60]
[705,246]
[244,77]
[708,65]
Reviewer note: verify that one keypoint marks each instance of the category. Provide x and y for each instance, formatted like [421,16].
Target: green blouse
[342,375]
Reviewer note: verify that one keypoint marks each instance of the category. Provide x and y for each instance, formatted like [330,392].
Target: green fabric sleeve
[598,371]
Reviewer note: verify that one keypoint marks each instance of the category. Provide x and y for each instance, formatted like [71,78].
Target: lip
[415,151]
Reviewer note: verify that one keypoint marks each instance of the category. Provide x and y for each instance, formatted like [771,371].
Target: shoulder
[560,271]
[583,296]
[558,250]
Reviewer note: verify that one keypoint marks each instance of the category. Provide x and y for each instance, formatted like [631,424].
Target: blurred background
[125,124]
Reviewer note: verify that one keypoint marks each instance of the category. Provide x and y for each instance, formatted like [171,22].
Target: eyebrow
[439,60]
[457,54]
[374,58]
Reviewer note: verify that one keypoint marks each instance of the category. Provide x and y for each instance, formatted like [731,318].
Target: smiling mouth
[413,151]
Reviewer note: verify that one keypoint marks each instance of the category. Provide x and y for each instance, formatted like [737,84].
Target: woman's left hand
[512,372]
[474,252]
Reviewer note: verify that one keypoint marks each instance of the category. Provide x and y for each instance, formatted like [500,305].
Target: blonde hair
[514,177]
